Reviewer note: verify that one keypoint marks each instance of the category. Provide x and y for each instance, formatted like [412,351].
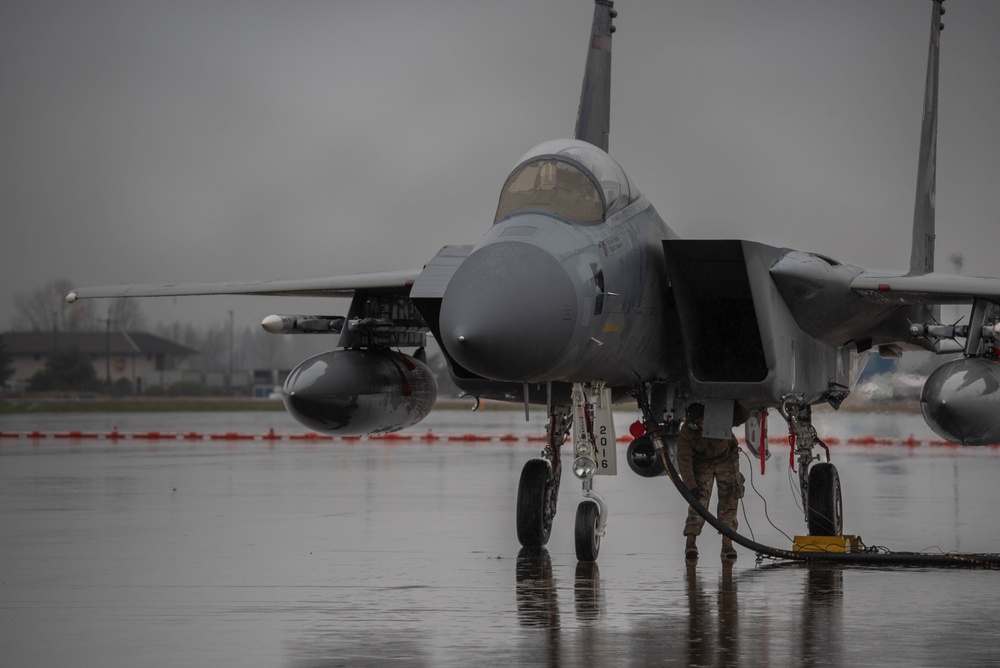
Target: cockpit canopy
[572,179]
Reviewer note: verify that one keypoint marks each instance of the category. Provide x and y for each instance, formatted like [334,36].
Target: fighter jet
[579,297]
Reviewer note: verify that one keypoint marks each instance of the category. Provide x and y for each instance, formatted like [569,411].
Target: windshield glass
[553,185]
[570,178]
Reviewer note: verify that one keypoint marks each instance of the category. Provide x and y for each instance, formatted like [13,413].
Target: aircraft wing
[930,288]
[389,283]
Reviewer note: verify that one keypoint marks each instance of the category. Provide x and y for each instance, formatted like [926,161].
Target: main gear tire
[534,519]
[826,509]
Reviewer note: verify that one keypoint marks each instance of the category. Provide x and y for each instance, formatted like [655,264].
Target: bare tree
[6,368]
[263,350]
[126,315]
[191,336]
[214,348]
[45,309]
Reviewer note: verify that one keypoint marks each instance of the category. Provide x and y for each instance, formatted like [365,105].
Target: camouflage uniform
[701,461]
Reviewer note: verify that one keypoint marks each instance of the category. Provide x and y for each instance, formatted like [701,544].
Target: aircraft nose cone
[508,312]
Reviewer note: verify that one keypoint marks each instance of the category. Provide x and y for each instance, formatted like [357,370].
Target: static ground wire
[876,557]
[763,500]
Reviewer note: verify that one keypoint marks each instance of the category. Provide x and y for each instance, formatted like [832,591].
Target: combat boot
[728,551]
[690,549]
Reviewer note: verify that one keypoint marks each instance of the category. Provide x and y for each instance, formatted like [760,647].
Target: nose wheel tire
[534,503]
[588,542]
[826,510]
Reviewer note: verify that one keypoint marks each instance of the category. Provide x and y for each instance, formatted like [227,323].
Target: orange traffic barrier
[394,436]
[311,436]
[869,440]
[231,436]
[154,435]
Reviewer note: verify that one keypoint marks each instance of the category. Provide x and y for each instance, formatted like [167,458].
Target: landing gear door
[718,418]
[604,434]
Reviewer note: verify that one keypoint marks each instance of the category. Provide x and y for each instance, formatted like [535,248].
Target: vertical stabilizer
[922,252]
[593,120]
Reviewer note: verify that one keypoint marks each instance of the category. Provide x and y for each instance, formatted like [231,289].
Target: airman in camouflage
[703,461]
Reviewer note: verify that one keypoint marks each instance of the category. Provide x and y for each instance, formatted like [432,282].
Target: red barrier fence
[429,436]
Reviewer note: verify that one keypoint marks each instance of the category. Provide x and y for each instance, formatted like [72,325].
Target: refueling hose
[951,559]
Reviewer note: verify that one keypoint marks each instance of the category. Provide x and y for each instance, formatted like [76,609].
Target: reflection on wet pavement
[374,554]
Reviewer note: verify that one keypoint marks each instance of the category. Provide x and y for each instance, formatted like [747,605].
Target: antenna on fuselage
[922,250]
[593,120]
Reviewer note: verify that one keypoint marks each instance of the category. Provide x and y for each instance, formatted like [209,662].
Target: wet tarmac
[374,553]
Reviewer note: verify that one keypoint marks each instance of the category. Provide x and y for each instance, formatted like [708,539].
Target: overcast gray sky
[165,141]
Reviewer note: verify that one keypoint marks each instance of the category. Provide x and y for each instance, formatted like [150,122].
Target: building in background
[137,357]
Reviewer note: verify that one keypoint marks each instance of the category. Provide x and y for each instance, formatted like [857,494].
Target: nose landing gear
[594,454]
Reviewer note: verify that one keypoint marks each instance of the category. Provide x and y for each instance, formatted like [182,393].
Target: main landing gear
[819,483]
[594,448]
